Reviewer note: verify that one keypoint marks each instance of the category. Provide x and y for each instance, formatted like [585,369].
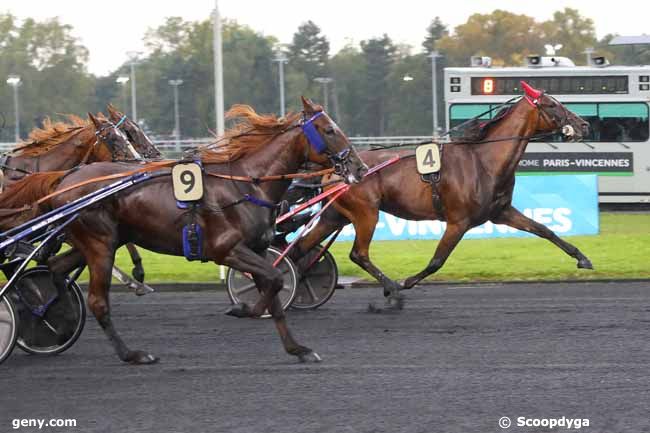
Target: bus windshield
[609,121]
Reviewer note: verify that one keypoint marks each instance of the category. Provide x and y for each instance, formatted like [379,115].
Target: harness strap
[277,177]
[149,167]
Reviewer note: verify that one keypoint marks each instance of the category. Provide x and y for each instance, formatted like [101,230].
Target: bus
[613,99]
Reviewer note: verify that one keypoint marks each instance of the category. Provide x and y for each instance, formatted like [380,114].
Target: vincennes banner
[567,204]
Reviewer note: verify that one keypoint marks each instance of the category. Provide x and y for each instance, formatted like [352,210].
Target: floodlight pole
[281,59]
[133,57]
[324,81]
[218,68]
[177,117]
[434,91]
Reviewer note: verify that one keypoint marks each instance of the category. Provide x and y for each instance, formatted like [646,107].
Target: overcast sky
[111,28]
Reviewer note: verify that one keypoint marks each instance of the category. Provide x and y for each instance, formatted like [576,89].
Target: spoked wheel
[8,328]
[317,279]
[49,323]
[242,288]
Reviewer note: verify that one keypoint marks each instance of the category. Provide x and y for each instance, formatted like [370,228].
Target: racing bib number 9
[188,182]
[428,158]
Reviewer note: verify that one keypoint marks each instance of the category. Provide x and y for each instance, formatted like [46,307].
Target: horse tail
[18,202]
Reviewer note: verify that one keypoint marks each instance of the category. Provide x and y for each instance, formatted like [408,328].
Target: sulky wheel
[317,278]
[241,287]
[49,323]
[8,328]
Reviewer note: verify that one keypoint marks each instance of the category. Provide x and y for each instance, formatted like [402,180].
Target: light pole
[14,80]
[133,58]
[281,59]
[324,81]
[177,120]
[122,80]
[218,68]
[434,90]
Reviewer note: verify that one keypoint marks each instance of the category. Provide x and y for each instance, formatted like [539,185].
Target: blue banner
[567,204]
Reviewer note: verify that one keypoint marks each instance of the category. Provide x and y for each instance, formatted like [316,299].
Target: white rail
[171,149]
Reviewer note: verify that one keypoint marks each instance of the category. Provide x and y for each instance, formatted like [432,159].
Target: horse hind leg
[100,257]
[516,219]
[269,281]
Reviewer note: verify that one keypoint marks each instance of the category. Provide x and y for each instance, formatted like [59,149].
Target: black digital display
[574,85]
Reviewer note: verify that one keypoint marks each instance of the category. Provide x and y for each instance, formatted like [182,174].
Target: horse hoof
[310,356]
[395,302]
[238,310]
[585,264]
[409,283]
[138,357]
[138,274]
[142,289]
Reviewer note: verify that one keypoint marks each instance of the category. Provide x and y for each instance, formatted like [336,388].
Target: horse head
[142,143]
[328,145]
[554,116]
[111,143]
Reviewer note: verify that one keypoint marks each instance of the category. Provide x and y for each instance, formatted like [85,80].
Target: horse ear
[530,91]
[95,120]
[307,105]
[113,112]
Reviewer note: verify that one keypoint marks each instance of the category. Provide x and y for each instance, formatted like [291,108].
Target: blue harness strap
[314,138]
[193,242]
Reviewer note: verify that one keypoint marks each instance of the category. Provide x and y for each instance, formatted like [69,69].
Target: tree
[573,31]
[435,31]
[52,66]
[309,51]
[506,37]
[308,59]
[379,57]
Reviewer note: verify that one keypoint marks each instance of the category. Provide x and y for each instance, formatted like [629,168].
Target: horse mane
[42,140]
[476,130]
[17,200]
[250,132]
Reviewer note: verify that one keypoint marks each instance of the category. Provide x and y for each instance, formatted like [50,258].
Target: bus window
[612,121]
[459,113]
[623,122]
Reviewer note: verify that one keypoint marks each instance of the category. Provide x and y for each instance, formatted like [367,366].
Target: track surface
[455,360]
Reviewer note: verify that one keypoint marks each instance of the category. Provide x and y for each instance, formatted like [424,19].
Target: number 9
[187,179]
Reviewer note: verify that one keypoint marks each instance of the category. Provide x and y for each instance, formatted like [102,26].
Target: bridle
[339,160]
[100,137]
[149,153]
[553,118]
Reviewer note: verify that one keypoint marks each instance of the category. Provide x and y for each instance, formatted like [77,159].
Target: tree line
[368,94]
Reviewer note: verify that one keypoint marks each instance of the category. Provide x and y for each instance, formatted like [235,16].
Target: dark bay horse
[476,185]
[236,218]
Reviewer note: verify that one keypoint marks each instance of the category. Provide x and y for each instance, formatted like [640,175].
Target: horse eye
[329,130]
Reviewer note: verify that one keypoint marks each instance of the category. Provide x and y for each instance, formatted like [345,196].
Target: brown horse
[236,218]
[476,185]
[61,146]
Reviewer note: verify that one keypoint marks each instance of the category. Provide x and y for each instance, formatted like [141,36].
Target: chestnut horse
[476,184]
[236,218]
[61,146]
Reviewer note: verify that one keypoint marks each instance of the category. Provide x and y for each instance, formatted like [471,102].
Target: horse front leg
[512,217]
[453,234]
[269,282]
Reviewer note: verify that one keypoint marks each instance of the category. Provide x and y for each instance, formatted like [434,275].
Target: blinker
[314,138]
